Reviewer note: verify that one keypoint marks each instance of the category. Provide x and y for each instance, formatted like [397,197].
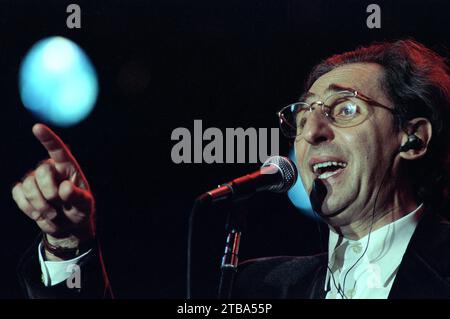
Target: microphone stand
[236,217]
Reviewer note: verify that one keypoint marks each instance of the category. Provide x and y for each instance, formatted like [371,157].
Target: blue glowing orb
[297,194]
[57,82]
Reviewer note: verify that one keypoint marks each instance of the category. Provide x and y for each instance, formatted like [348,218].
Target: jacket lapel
[424,270]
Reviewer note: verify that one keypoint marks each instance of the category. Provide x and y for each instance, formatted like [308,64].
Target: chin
[332,209]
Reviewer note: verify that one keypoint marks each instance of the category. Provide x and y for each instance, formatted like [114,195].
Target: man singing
[371,138]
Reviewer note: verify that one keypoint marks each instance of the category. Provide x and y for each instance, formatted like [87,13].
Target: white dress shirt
[55,272]
[368,275]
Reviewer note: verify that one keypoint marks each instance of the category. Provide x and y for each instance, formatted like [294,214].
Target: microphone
[278,174]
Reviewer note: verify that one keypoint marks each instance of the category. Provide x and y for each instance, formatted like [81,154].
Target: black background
[162,64]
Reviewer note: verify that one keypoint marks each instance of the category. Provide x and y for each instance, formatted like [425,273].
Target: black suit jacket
[423,273]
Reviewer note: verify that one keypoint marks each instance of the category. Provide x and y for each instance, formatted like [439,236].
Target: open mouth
[327,169]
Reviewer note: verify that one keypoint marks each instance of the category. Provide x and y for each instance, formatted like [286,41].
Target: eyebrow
[333,87]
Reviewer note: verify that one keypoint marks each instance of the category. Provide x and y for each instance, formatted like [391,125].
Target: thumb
[77,202]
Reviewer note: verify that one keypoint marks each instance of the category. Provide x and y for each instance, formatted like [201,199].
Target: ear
[421,127]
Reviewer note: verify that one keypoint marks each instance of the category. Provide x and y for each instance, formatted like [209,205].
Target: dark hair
[417,81]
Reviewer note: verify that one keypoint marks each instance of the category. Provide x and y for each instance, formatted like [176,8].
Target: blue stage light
[57,82]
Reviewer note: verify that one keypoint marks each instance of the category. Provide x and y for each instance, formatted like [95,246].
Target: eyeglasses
[341,109]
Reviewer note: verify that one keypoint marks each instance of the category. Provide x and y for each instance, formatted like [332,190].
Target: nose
[317,128]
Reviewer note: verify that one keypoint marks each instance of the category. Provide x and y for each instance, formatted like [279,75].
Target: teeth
[326,164]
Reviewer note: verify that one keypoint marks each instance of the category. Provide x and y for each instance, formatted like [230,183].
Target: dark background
[162,64]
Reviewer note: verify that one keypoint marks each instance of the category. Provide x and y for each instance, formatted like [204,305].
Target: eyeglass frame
[354,93]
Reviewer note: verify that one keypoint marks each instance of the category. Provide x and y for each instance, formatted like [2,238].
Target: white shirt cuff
[55,272]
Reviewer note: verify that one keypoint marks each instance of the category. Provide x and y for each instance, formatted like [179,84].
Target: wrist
[59,249]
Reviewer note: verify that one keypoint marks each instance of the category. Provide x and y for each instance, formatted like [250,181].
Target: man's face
[366,150]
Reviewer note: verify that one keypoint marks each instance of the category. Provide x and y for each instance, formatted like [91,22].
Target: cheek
[360,150]
[369,151]
[301,151]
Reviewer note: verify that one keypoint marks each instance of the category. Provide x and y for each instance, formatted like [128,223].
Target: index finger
[55,147]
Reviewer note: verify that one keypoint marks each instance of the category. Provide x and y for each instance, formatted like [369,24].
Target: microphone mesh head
[287,170]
